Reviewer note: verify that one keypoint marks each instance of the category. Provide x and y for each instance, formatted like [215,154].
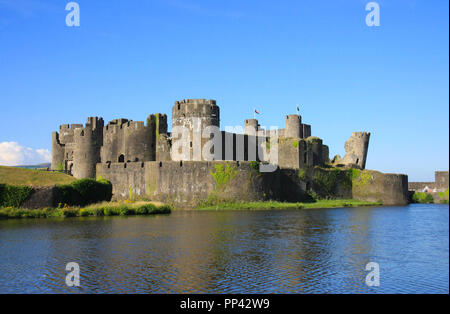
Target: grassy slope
[101,209]
[32,177]
[282,205]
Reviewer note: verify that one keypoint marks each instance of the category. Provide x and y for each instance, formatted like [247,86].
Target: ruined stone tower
[87,144]
[356,148]
[58,152]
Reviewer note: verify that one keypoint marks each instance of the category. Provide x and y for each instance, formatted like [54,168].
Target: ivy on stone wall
[157,126]
[360,179]
[154,119]
[223,174]
[326,180]
[302,174]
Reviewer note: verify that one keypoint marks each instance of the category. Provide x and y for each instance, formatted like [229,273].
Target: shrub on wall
[326,181]
[423,198]
[85,191]
[78,193]
[67,195]
[254,165]
[302,174]
[13,195]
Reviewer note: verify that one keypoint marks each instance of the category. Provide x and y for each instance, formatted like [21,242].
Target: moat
[294,251]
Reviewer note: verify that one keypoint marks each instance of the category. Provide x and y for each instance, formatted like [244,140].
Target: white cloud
[13,154]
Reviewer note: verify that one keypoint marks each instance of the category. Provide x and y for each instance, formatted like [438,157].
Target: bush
[163,209]
[254,165]
[13,196]
[92,191]
[68,195]
[145,209]
[84,212]
[70,212]
[125,211]
[85,191]
[103,209]
[443,194]
[422,198]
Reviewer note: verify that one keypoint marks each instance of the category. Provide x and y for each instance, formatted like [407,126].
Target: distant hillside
[32,177]
[44,165]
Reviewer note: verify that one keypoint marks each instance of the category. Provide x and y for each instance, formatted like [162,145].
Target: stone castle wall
[420,186]
[128,141]
[188,184]
[138,159]
[390,189]
[441,183]
[441,179]
[77,148]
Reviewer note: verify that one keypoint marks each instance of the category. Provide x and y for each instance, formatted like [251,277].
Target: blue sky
[132,58]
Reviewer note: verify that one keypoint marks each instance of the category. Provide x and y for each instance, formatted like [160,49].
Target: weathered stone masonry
[137,157]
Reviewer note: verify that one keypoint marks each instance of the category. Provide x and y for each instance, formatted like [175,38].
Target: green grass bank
[125,208]
[283,205]
[32,177]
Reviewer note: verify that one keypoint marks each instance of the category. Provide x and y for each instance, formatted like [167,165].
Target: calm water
[305,251]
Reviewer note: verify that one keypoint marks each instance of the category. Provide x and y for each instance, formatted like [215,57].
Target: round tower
[293,126]
[87,144]
[360,146]
[138,142]
[185,111]
[195,115]
[57,153]
[251,126]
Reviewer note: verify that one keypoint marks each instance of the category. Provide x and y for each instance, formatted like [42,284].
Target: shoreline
[94,210]
[148,208]
[273,205]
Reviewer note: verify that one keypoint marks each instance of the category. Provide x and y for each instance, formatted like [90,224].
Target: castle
[77,149]
[145,160]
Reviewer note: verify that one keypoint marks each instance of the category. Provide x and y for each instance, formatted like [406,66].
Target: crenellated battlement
[115,126]
[198,101]
[361,135]
[196,108]
[79,147]
[95,123]
[65,127]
